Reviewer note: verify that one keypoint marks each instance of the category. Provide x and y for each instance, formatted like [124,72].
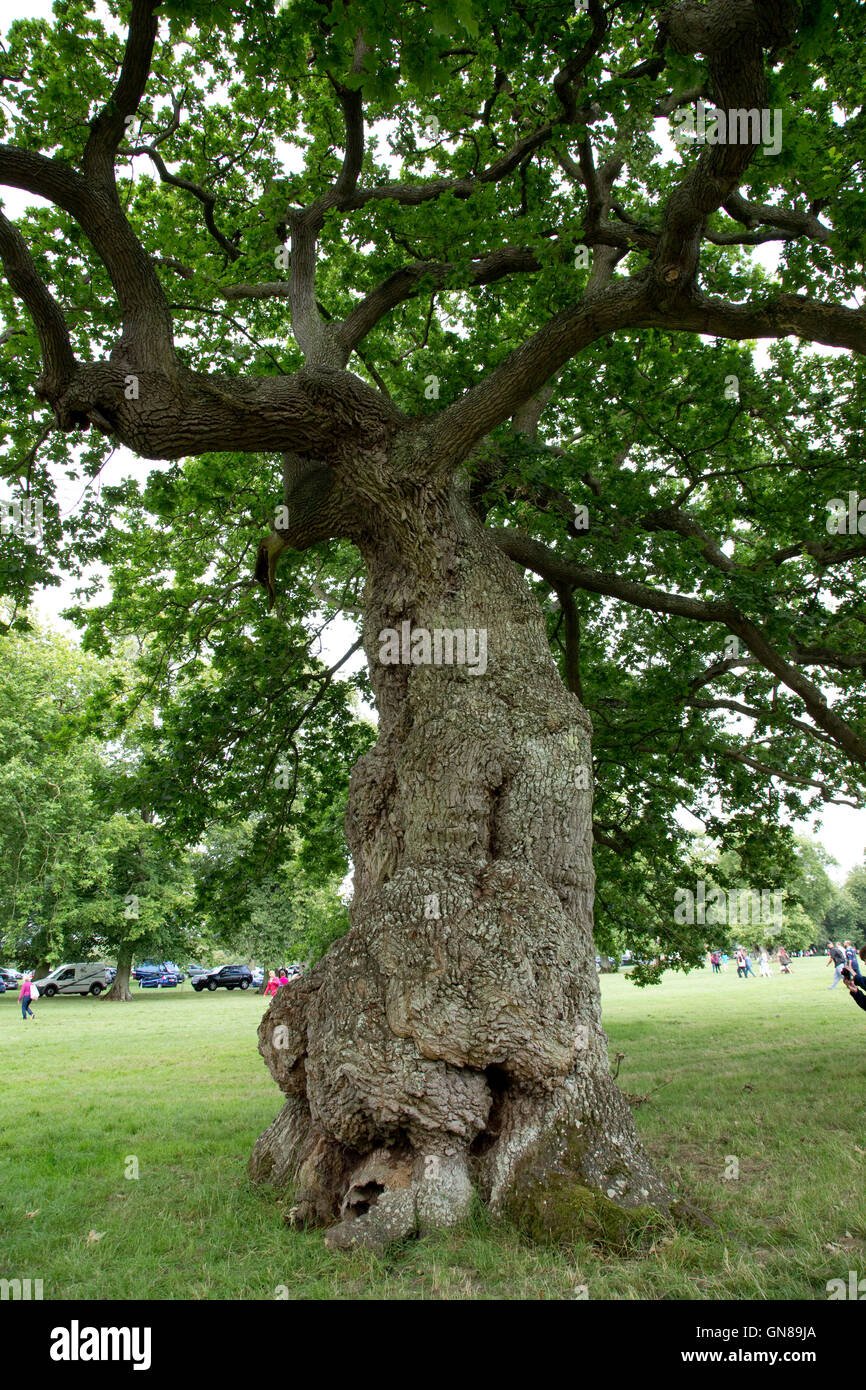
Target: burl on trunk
[451,1043]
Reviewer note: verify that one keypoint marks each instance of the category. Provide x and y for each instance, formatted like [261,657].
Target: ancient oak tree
[472,280]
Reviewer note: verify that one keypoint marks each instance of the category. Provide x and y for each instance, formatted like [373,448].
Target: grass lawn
[771,1072]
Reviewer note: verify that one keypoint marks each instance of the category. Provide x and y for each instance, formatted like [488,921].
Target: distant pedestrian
[784,961]
[836,956]
[284,979]
[271,987]
[850,955]
[28,993]
[725,958]
[747,960]
[741,963]
[766,972]
[715,962]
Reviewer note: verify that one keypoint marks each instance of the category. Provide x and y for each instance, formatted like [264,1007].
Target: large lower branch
[630,304]
[777,316]
[318,410]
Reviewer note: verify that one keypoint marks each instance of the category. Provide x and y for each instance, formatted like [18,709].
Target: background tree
[277,913]
[138,899]
[493,273]
[846,916]
[48,817]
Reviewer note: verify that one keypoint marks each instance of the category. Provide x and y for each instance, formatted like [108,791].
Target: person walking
[28,993]
[715,962]
[271,987]
[724,959]
[784,961]
[766,972]
[836,956]
[850,955]
[747,962]
[741,963]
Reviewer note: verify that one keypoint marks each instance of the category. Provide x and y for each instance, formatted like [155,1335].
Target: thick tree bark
[452,1040]
[120,990]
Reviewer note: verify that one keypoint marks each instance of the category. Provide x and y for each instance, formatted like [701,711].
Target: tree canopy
[280,233]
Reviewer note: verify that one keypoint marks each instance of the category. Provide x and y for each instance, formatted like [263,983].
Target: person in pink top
[271,987]
[24,999]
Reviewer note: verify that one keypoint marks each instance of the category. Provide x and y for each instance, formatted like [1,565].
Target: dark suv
[225,977]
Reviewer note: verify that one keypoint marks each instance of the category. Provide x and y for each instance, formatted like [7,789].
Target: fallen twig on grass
[639,1100]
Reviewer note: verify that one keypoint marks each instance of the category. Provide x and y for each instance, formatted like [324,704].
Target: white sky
[844,830]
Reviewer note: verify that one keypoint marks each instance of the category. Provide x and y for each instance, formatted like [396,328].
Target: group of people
[719,963]
[842,955]
[279,977]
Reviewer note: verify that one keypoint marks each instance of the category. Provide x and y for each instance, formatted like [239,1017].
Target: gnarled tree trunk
[452,1040]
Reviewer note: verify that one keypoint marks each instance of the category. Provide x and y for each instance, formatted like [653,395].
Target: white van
[81,977]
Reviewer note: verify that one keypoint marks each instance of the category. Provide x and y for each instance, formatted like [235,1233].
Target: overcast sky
[844,830]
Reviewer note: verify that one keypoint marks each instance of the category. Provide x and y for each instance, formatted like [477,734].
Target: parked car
[224,977]
[258,977]
[144,971]
[79,977]
[159,979]
[147,969]
[9,978]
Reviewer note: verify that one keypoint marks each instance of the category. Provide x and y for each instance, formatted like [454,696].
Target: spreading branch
[559,571]
[108,128]
[58,359]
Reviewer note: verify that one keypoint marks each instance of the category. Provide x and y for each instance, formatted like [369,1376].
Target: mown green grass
[771,1072]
